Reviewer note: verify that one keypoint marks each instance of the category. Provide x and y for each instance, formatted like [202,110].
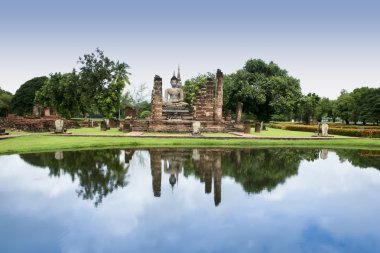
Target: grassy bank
[275,132]
[40,143]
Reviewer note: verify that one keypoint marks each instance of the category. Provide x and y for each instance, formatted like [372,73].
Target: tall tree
[23,100]
[308,106]
[5,102]
[61,93]
[264,88]
[345,105]
[101,81]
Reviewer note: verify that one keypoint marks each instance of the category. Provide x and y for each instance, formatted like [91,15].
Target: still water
[191,200]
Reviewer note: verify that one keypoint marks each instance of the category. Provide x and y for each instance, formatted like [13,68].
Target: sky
[329,45]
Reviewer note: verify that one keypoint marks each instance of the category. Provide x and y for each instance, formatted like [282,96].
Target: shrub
[144,114]
[353,132]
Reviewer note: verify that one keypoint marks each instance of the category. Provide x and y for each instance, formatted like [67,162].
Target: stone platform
[182,126]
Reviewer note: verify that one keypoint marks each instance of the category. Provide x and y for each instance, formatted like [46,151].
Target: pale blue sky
[328,45]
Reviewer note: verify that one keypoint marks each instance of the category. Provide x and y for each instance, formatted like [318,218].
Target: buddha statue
[174,98]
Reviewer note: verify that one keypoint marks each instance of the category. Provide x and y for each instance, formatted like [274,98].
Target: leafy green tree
[23,100]
[265,90]
[325,108]
[5,102]
[359,96]
[345,105]
[101,83]
[61,93]
[307,107]
[371,106]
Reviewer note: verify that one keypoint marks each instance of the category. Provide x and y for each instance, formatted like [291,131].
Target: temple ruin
[170,112]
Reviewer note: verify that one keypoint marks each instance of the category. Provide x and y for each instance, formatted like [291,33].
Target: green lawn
[40,143]
[273,132]
[95,130]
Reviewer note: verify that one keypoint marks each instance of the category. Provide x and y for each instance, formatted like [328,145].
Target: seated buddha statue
[174,99]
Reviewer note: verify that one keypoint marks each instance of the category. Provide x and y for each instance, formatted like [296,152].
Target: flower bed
[353,132]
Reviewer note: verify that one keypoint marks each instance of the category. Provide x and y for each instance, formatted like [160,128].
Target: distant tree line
[267,91]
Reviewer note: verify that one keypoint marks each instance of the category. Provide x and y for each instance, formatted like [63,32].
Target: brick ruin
[207,109]
[33,124]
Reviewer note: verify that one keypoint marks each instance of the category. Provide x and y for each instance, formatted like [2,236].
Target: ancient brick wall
[204,102]
[33,124]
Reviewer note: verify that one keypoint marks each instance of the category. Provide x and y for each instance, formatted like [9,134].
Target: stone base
[183,126]
[177,114]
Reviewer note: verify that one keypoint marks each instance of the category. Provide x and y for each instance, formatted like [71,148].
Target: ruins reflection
[206,163]
[101,172]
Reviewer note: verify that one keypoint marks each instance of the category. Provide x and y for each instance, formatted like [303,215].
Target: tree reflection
[99,172]
[361,158]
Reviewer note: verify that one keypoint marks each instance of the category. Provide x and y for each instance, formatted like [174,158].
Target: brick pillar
[218,113]
[155,164]
[209,100]
[239,110]
[157,98]
[218,178]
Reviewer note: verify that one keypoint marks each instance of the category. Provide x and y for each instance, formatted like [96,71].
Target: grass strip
[42,143]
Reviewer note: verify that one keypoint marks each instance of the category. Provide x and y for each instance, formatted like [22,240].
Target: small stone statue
[59,126]
[196,128]
[325,130]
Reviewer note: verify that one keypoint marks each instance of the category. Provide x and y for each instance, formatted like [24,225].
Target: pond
[191,200]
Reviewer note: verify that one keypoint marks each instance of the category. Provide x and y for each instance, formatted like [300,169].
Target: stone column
[218,113]
[209,100]
[239,110]
[157,98]
[218,178]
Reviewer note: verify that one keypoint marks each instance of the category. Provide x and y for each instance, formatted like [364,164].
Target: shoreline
[50,142]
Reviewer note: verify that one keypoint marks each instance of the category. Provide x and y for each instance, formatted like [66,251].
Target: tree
[5,102]
[61,93]
[101,83]
[371,106]
[361,108]
[345,105]
[325,108]
[307,107]
[23,100]
[265,90]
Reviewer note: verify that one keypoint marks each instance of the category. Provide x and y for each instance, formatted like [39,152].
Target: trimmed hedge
[368,133]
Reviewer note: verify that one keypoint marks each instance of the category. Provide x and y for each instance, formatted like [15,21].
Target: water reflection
[100,172]
[162,200]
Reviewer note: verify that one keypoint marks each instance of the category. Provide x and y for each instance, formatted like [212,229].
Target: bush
[353,132]
[144,114]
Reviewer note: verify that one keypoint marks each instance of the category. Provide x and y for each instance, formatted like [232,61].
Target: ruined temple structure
[40,111]
[170,112]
